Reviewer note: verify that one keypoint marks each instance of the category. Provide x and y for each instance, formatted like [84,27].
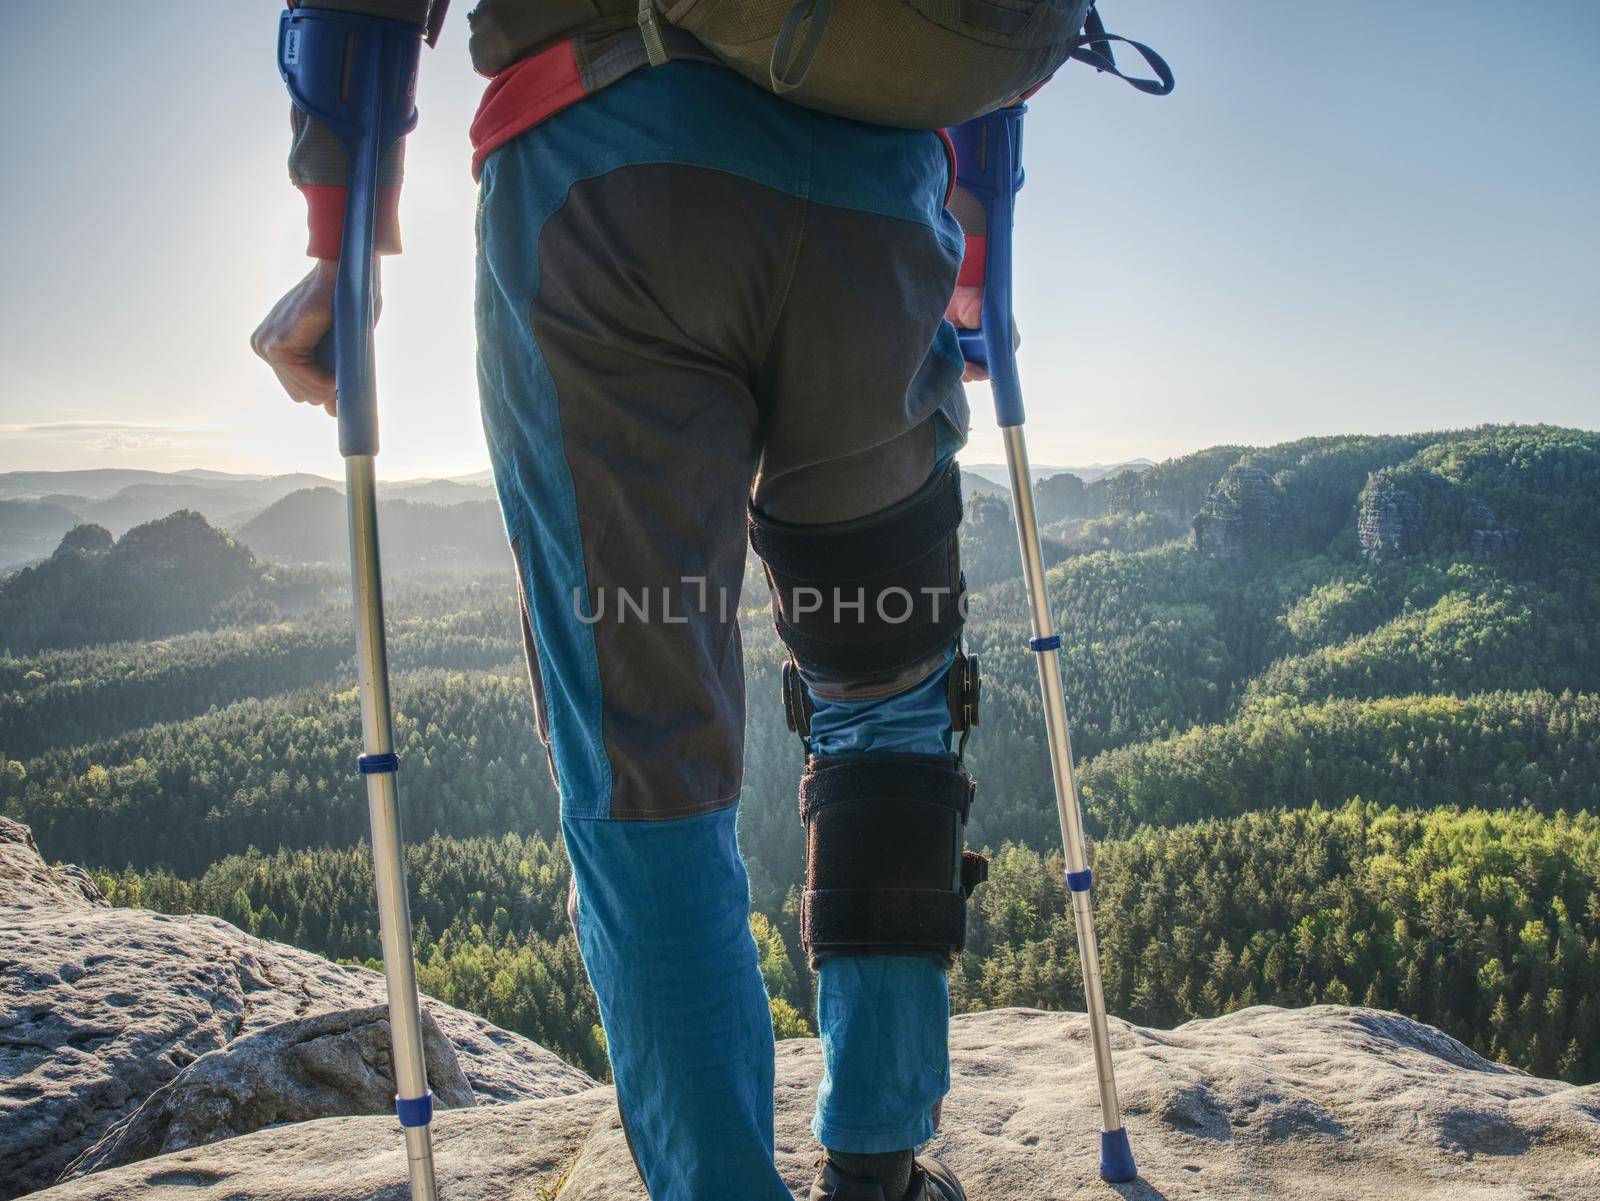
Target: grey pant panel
[852,485]
[707,336]
[849,383]
[655,284]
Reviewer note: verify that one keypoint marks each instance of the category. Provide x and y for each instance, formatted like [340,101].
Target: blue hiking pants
[693,297]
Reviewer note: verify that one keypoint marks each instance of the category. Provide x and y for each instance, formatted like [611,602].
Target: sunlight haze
[1366,217]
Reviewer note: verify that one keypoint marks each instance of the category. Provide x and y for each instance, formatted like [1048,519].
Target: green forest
[1336,705]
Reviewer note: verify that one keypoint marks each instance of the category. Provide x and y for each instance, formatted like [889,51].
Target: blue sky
[1365,217]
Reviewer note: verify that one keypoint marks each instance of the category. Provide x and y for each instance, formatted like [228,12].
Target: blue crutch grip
[358,76]
[989,166]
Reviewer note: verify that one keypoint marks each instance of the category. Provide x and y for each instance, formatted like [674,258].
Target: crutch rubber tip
[1116,1157]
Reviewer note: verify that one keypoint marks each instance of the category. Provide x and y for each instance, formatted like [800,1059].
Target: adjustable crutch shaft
[378,761]
[989,166]
[1046,643]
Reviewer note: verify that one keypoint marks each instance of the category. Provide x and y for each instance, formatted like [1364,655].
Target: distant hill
[163,577]
[973,485]
[30,529]
[120,499]
[299,517]
[1000,477]
[309,527]
[1494,492]
[99,483]
[437,492]
[138,503]
[95,484]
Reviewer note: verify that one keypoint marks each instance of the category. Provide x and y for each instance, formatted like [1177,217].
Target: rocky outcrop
[1403,511]
[1495,544]
[102,1008]
[28,882]
[1390,521]
[326,1065]
[1243,512]
[1321,1104]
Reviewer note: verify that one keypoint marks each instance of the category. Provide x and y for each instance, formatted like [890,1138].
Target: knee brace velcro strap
[880,593]
[886,870]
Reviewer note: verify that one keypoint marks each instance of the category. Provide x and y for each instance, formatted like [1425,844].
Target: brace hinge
[797,703]
[965,692]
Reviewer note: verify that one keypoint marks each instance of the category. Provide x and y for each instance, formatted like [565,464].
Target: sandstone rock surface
[1321,1104]
[101,1007]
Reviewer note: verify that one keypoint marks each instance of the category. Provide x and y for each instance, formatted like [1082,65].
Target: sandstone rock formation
[326,1065]
[101,1007]
[1390,523]
[1243,512]
[1403,511]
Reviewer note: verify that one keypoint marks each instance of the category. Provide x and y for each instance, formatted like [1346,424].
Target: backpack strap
[655,46]
[788,66]
[1096,52]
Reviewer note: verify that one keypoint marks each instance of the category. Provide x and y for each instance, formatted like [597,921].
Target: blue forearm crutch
[989,165]
[358,76]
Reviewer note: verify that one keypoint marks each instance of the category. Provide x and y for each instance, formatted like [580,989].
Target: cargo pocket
[530,654]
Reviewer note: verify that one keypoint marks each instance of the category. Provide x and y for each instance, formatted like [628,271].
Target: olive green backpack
[920,64]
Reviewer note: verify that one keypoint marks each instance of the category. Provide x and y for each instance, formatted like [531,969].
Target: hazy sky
[1365,217]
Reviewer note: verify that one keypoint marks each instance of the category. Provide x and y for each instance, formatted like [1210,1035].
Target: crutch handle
[357,75]
[989,166]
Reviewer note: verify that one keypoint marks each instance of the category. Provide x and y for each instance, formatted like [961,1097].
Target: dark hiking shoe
[930,1181]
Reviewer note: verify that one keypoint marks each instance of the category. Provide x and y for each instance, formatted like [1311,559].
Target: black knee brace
[869,597]
[886,868]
